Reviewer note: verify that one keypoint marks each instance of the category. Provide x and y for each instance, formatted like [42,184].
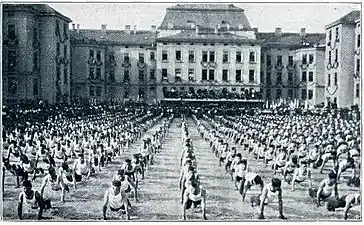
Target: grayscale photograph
[181,111]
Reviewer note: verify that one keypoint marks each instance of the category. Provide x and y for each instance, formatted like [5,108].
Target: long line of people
[292,149]
[192,192]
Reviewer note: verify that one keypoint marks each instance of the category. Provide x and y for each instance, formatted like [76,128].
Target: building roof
[206,16]
[201,37]
[113,36]
[291,40]
[42,9]
[348,19]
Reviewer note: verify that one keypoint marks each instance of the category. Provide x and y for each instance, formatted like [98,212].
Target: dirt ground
[159,195]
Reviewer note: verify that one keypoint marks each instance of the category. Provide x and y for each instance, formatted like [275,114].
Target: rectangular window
[98,91]
[303,94]
[336,55]
[269,78]
[330,35]
[12,86]
[279,77]
[224,75]
[98,56]
[141,57]
[58,73]
[152,74]
[126,76]
[328,80]
[278,93]
[164,55]
[65,51]
[238,75]
[238,57]
[336,33]
[358,41]
[310,94]
[65,75]
[91,53]
[290,77]
[92,73]
[152,56]
[225,57]
[290,93]
[204,74]
[357,65]
[65,26]
[164,73]
[269,60]
[304,76]
[126,57]
[141,75]
[178,55]
[279,60]
[252,57]
[98,73]
[58,49]
[126,94]
[11,60]
[191,56]
[310,59]
[211,74]
[310,76]
[290,60]
[357,91]
[178,73]
[57,26]
[212,56]
[204,56]
[191,74]
[251,75]
[329,57]
[92,91]
[35,87]
[112,75]
[335,79]
[304,59]
[11,31]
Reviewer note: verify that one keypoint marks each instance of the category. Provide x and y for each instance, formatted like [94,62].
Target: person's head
[81,158]
[258,180]
[238,155]
[27,186]
[276,184]
[52,172]
[128,161]
[121,172]
[65,166]
[116,184]
[332,177]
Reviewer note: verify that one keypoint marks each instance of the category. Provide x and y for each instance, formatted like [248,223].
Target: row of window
[336,34]
[304,94]
[279,59]
[290,77]
[208,56]
[329,79]
[141,57]
[336,56]
[13,86]
[92,55]
[95,91]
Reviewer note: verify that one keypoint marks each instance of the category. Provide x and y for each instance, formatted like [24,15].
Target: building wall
[357,65]
[171,65]
[343,91]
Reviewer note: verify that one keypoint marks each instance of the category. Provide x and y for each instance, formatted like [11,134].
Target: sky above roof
[266,16]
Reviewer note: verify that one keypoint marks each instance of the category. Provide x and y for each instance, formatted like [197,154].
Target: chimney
[78,27]
[134,29]
[73,26]
[197,29]
[303,32]
[127,29]
[255,29]
[216,30]
[153,27]
[103,27]
[278,31]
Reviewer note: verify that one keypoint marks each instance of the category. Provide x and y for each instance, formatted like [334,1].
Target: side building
[113,65]
[36,54]
[342,61]
[293,66]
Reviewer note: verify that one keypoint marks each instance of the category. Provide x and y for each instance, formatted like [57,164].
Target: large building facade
[342,68]
[36,54]
[198,51]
